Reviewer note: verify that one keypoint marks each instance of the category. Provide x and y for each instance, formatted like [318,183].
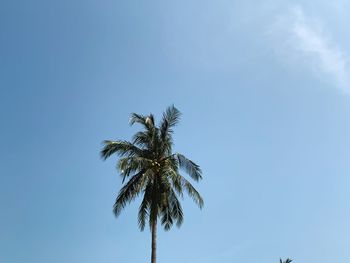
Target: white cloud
[303,40]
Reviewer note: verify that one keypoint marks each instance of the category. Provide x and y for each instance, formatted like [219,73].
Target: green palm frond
[122,148]
[166,218]
[144,208]
[193,193]
[137,118]
[130,191]
[176,181]
[128,165]
[288,260]
[171,211]
[143,139]
[189,166]
[171,117]
[176,209]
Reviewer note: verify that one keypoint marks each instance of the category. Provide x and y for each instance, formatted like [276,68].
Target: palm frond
[171,210]
[129,191]
[122,148]
[128,165]
[176,209]
[143,139]
[171,117]
[137,118]
[166,218]
[176,180]
[189,166]
[146,121]
[144,208]
[193,193]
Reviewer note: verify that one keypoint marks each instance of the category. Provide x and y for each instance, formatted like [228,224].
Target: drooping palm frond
[176,181]
[130,191]
[144,209]
[193,193]
[171,211]
[189,166]
[166,218]
[176,209]
[122,148]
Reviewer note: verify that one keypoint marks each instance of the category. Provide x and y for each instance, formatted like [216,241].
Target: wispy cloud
[304,40]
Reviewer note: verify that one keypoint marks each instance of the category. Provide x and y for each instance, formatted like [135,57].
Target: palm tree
[288,260]
[148,167]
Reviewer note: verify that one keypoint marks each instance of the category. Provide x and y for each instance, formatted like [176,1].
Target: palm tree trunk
[154,241]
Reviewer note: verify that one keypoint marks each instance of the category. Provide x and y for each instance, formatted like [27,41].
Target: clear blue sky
[264,89]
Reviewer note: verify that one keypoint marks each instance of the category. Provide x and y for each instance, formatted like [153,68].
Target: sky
[264,89]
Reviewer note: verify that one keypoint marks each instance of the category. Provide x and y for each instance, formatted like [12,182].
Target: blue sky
[264,89]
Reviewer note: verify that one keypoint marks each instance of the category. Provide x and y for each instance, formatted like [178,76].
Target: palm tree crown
[149,167]
[288,260]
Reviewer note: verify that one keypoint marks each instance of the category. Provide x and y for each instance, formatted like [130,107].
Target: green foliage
[152,170]
[286,261]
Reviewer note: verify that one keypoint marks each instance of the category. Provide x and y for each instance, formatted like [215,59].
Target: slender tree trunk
[154,241]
